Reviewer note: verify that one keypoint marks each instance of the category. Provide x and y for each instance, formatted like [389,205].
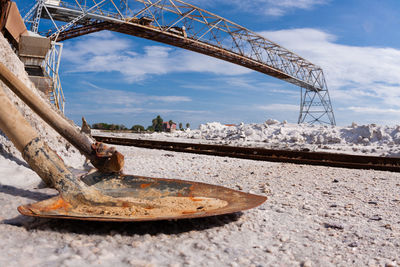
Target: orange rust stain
[59,204]
[125,204]
[195,199]
[144,185]
[188,212]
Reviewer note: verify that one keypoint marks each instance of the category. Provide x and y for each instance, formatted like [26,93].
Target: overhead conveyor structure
[180,24]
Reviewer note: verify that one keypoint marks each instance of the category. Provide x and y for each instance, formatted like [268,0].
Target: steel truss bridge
[180,24]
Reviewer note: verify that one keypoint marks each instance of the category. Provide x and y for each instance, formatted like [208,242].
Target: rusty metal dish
[158,199]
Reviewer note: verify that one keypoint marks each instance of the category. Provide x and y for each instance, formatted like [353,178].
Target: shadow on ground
[172,227]
[19,192]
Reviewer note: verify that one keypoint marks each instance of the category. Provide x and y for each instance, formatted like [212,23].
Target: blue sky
[115,78]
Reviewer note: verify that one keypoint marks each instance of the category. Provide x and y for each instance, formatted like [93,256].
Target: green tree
[150,128]
[187,125]
[137,128]
[157,124]
[180,126]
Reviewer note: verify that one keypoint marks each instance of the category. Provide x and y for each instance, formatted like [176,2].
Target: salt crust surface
[315,216]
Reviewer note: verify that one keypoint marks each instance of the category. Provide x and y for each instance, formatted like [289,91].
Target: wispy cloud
[375,110]
[119,55]
[279,107]
[268,7]
[103,96]
[240,84]
[79,110]
[106,101]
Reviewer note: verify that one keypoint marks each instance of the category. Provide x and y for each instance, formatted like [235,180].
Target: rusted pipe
[106,159]
[42,159]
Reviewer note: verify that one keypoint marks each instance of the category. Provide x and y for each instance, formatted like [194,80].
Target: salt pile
[7,150]
[368,139]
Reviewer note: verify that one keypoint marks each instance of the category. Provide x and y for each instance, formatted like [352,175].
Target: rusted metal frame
[51,17]
[172,3]
[222,35]
[182,18]
[210,29]
[237,45]
[36,20]
[151,13]
[126,7]
[289,59]
[145,9]
[201,15]
[257,52]
[119,12]
[100,10]
[83,30]
[195,34]
[315,80]
[207,25]
[79,5]
[271,58]
[4,10]
[211,14]
[300,71]
[30,12]
[271,70]
[214,36]
[54,36]
[248,45]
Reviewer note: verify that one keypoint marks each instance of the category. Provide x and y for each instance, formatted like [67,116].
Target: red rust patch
[145,185]
[125,204]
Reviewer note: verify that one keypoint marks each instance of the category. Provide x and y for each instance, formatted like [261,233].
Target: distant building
[169,128]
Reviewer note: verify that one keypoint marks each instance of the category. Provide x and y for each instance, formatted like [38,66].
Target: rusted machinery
[11,24]
[39,54]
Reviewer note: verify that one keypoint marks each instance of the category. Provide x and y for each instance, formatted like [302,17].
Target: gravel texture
[315,216]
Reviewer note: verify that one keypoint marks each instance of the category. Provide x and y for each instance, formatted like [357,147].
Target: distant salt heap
[70,155]
[355,139]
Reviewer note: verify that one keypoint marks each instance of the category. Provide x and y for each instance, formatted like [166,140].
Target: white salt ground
[315,216]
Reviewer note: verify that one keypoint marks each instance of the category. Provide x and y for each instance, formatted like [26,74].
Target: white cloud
[106,101]
[367,75]
[102,96]
[107,53]
[375,110]
[79,110]
[279,107]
